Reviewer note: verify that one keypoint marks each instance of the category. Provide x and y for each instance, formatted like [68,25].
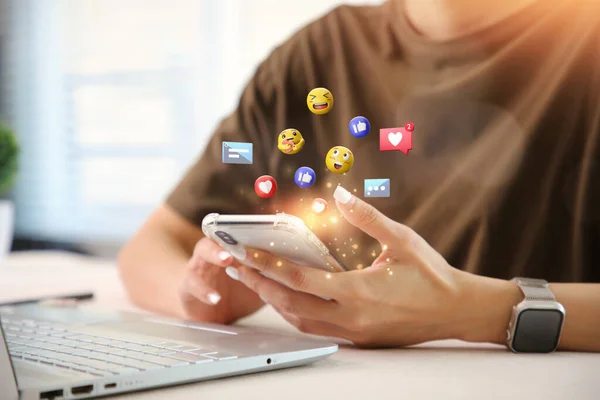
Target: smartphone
[281,234]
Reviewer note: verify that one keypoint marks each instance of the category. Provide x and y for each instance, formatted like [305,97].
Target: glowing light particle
[391,273]
[354,246]
[279,263]
[272,244]
[385,247]
[328,276]
[328,184]
[359,266]
[255,255]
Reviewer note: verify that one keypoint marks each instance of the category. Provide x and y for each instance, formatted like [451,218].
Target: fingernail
[232,273]
[214,298]
[223,255]
[342,195]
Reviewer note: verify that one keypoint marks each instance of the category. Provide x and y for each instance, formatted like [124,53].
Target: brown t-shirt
[504,175]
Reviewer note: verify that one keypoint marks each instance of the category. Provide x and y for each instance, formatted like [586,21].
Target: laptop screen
[8,381]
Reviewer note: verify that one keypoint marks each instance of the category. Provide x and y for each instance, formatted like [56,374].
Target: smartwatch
[537,321]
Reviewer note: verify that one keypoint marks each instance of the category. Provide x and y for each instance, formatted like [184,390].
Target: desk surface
[436,370]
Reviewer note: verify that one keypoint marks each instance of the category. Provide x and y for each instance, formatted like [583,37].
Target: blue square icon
[377,188]
[237,153]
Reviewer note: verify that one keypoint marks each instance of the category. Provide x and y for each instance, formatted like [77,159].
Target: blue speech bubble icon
[377,187]
[359,127]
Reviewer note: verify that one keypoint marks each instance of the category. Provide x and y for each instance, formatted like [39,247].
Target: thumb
[364,216]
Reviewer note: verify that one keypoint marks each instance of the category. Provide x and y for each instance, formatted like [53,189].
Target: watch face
[537,331]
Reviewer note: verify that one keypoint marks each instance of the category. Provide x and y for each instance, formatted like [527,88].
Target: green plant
[9,154]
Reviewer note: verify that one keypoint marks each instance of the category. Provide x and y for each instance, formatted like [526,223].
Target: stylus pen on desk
[74,297]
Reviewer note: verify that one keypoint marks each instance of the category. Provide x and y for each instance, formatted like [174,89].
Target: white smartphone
[281,234]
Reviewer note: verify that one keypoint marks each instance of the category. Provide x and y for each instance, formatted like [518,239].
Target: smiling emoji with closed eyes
[339,159]
[290,141]
[319,101]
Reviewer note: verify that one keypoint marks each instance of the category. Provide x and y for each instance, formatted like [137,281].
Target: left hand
[409,295]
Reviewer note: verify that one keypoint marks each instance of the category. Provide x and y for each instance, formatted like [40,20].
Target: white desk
[438,370]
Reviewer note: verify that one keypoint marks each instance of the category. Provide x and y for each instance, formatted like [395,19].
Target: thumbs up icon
[305,177]
[359,127]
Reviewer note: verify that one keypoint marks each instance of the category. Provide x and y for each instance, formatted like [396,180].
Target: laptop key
[167,362]
[116,351]
[186,348]
[143,365]
[156,350]
[48,346]
[119,360]
[106,342]
[164,345]
[131,346]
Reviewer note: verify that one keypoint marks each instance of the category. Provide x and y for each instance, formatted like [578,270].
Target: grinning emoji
[319,101]
[339,159]
[290,141]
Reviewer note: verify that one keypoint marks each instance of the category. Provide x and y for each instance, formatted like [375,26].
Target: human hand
[409,295]
[205,291]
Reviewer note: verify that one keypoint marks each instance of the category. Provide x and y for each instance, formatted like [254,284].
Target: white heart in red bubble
[319,206]
[265,186]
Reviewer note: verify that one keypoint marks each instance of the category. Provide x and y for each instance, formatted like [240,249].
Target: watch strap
[535,289]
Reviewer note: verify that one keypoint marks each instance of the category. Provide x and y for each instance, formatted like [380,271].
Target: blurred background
[111,100]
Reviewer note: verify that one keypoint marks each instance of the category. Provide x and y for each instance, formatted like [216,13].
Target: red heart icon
[265,186]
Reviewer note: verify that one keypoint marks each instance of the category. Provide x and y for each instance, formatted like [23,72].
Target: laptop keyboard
[53,345]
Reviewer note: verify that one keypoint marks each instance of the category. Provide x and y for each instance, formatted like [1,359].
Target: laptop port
[110,386]
[51,394]
[82,389]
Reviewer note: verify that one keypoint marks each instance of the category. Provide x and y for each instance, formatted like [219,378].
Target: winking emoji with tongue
[290,141]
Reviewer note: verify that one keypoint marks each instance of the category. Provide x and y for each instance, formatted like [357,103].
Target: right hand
[208,294]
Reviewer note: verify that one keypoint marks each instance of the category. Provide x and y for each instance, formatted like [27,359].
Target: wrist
[487,305]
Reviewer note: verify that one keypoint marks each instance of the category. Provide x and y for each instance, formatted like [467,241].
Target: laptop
[49,352]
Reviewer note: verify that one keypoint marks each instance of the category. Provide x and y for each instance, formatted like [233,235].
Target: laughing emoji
[290,141]
[319,101]
[339,159]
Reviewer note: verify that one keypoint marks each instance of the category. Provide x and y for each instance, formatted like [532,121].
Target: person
[502,180]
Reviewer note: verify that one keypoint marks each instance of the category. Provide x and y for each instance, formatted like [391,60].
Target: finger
[197,286]
[207,250]
[287,300]
[204,269]
[298,277]
[312,327]
[366,217]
